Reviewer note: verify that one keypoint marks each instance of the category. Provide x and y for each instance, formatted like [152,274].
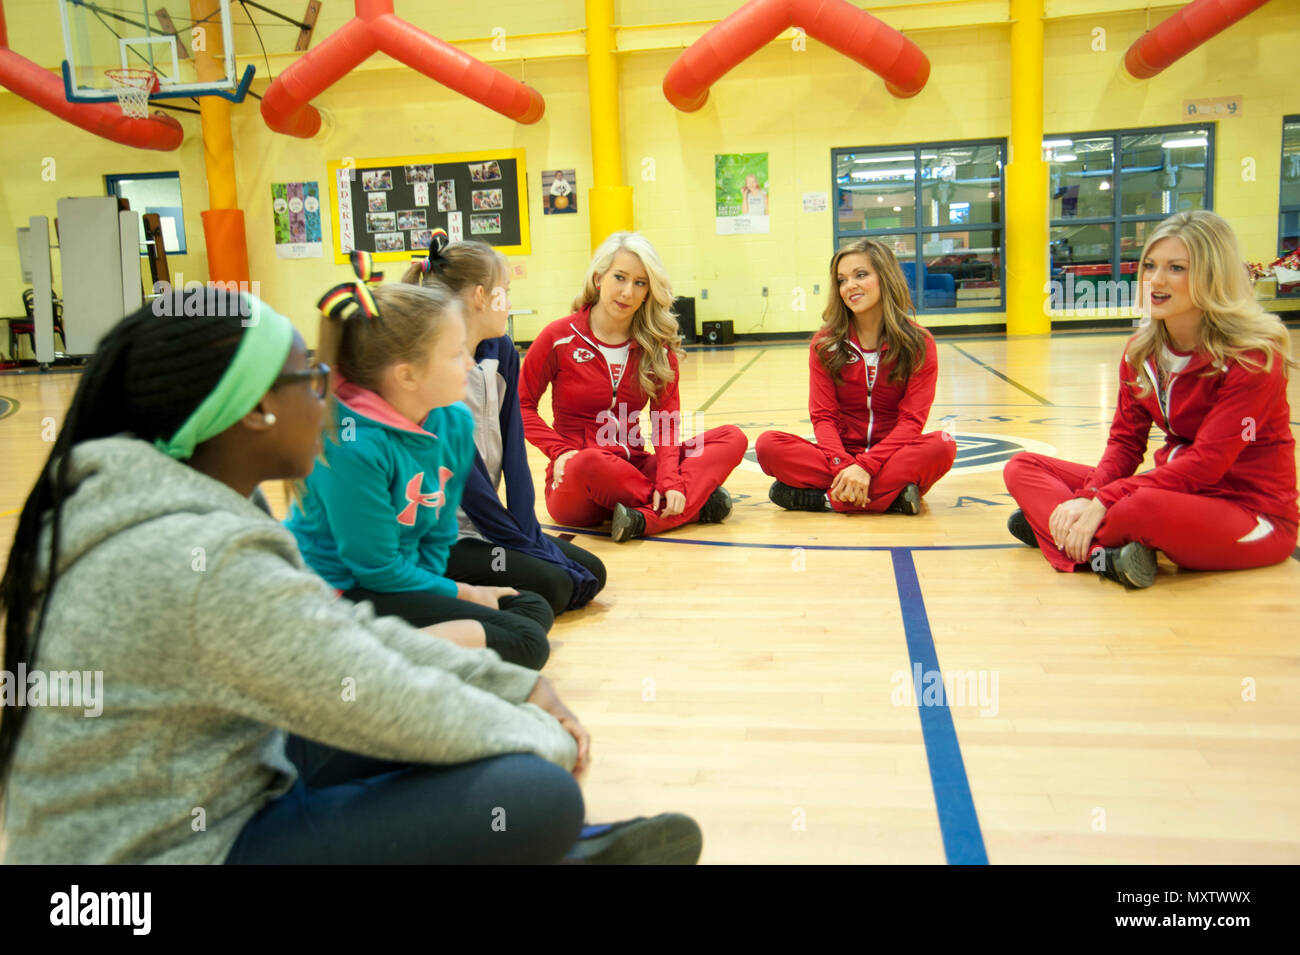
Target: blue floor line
[963,843]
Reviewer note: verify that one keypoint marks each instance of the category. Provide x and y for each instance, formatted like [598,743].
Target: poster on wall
[391,207]
[559,191]
[741,196]
[295,208]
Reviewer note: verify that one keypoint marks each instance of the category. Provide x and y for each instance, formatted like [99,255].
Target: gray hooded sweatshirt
[213,639]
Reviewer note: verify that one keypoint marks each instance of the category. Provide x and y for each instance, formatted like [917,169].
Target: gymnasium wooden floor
[758,674]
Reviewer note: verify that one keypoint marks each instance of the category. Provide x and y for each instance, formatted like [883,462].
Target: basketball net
[132,88]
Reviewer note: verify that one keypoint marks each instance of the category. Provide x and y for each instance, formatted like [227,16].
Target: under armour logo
[581,355]
[415,497]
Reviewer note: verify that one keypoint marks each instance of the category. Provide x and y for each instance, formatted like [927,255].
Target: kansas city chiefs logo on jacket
[581,354]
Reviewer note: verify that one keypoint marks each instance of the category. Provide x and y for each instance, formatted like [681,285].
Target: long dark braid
[148,375]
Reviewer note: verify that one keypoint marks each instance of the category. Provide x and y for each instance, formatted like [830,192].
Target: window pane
[1289,232]
[1132,237]
[1163,173]
[161,195]
[1081,268]
[1079,245]
[1289,240]
[874,189]
[903,246]
[961,184]
[961,269]
[1291,164]
[1082,177]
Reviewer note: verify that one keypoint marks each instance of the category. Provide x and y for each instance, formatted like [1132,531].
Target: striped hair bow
[438,241]
[349,299]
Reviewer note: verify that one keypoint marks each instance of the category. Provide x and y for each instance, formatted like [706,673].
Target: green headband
[262,351]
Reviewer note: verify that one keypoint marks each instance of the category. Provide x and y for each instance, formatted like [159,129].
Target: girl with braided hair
[377,516]
[145,556]
[501,545]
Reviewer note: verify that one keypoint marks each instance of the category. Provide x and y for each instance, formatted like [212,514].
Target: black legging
[355,810]
[487,564]
[517,632]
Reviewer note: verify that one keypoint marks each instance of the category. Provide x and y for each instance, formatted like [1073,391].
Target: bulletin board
[389,207]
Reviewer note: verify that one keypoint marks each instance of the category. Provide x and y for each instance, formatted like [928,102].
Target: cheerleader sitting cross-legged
[872,374]
[617,352]
[1209,368]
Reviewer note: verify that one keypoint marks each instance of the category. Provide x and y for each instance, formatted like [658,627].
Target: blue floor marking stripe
[963,843]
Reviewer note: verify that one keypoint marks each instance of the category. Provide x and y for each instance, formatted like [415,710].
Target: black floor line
[1010,381]
[730,381]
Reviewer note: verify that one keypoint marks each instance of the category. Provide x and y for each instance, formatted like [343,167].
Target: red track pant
[800,463]
[597,479]
[1195,531]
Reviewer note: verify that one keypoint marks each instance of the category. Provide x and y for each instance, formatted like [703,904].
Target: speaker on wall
[685,309]
[718,333]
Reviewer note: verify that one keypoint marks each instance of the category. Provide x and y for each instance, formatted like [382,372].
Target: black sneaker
[1132,565]
[716,508]
[626,523]
[907,502]
[666,839]
[798,498]
[1019,527]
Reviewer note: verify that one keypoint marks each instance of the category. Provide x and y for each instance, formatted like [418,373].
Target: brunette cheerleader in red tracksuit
[1209,368]
[872,375]
[604,363]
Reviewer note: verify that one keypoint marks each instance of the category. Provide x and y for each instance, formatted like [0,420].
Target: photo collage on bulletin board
[390,207]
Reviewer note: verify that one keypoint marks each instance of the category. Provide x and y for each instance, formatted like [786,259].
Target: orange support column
[223,223]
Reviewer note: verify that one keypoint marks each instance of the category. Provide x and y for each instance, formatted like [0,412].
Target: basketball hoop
[132,88]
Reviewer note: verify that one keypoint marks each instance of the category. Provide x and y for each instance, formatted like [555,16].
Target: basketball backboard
[158,35]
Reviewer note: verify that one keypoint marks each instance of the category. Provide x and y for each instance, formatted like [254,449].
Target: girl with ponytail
[500,545]
[377,515]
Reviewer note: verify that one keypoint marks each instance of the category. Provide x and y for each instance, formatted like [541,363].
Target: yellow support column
[223,222]
[1027,200]
[609,201]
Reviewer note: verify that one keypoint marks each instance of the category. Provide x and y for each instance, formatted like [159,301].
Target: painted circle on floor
[976,453]
[7,406]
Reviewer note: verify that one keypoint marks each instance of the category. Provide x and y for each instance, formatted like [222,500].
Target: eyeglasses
[318,375]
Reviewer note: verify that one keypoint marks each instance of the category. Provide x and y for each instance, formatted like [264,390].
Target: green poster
[741,192]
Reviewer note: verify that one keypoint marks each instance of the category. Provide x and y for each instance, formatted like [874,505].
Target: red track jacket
[857,422]
[588,412]
[1227,435]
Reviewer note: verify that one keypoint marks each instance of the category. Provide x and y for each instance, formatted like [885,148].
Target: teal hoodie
[379,511]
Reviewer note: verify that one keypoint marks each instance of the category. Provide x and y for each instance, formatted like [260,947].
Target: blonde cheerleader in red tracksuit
[604,363]
[872,374]
[1209,368]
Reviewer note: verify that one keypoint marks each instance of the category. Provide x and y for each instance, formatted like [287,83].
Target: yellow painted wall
[796,106]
